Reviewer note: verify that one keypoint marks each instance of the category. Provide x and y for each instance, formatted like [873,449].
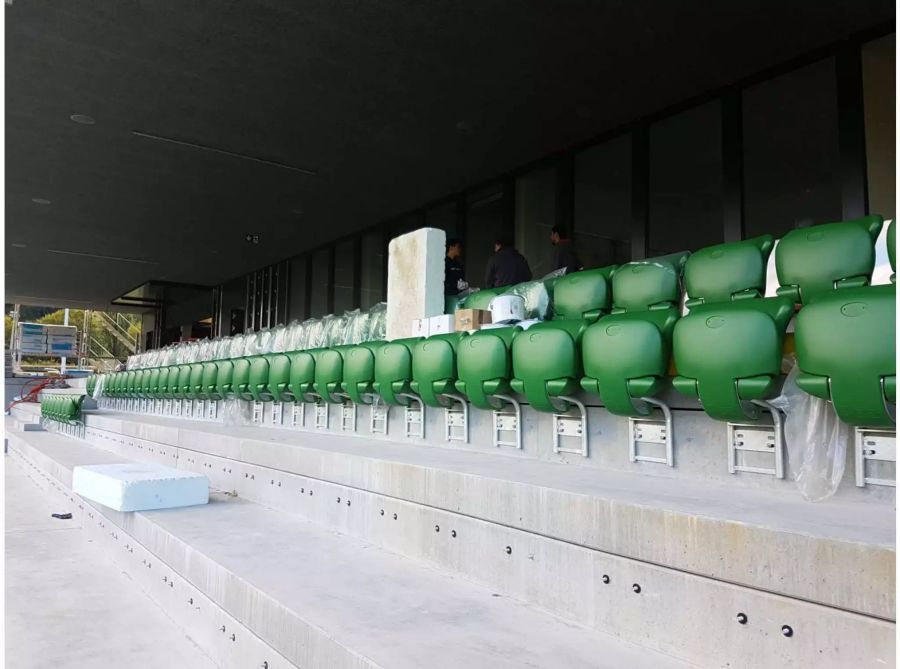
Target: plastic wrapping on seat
[236,412]
[334,331]
[279,339]
[377,322]
[236,346]
[315,332]
[816,440]
[536,295]
[357,327]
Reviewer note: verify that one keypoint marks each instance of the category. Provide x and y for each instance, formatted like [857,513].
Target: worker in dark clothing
[565,251]
[454,279]
[507,266]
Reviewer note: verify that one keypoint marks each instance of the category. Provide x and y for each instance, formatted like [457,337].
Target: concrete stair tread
[853,521]
[391,610]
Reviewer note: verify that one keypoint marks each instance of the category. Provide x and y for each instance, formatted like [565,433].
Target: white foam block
[140,487]
[415,279]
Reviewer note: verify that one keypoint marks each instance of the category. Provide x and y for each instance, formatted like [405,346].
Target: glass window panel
[344,277]
[484,224]
[320,286]
[602,213]
[791,151]
[372,271]
[686,181]
[535,216]
[879,96]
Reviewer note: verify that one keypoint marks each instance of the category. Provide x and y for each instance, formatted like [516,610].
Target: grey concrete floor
[68,606]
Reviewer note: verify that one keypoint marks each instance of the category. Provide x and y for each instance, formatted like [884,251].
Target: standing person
[507,266]
[565,251]
[454,278]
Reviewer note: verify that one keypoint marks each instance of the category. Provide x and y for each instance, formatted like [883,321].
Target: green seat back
[359,371]
[279,379]
[155,391]
[484,365]
[728,349]
[240,380]
[481,299]
[224,379]
[329,374]
[183,384]
[626,354]
[393,370]
[823,257]
[303,374]
[546,362]
[195,389]
[584,294]
[258,378]
[434,367]
[846,352]
[208,381]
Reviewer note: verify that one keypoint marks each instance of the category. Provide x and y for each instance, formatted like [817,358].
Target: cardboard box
[443,324]
[471,319]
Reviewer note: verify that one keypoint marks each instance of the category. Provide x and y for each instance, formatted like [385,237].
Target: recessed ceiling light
[297,211]
[40,200]
[19,246]
[462,126]
[84,119]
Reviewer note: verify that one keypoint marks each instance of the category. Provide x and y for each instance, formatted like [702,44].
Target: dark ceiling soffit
[224,152]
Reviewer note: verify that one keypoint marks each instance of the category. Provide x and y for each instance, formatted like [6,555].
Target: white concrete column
[415,279]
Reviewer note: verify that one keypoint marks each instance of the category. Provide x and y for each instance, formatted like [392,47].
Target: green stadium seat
[546,361]
[821,258]
[302,375]
[209,381]
[240,380]
[434,371]
[393,371]
[626,354]
[582,294]
[484,366]
[258,378]
[728,349]
[329,374]
[224,379]
[845,332]
[359,371]
[196,390]
[279,380]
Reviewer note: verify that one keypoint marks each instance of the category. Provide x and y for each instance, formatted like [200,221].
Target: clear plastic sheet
[236,412]
[536,295]
[264,340]
[98,388]
[315,333]
[279,339]
[357,328]
[335,331]
[236,347]
[815,438]
[377,322]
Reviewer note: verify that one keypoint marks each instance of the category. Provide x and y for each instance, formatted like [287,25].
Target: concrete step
[759,539]
[67,607]
[692,617]
[323,599]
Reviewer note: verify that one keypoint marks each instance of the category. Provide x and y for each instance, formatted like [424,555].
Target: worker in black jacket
[565,251]
[506,267]
[454,278]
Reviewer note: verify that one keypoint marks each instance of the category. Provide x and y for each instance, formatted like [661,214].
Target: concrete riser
[687,616]
[700,445]
[746,555]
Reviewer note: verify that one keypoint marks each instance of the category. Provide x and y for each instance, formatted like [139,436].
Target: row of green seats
[61,408]
[618,333]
